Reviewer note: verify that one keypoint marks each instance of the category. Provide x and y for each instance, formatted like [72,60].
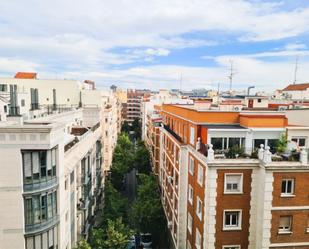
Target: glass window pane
[217,143]
[258,142]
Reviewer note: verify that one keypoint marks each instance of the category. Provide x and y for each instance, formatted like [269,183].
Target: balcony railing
[44,184]
[166,127]
[36,228]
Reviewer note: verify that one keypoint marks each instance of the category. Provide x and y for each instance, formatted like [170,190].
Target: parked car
[131,243]
[146,240]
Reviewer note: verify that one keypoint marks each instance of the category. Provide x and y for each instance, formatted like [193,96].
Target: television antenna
[232,73]
[296,69]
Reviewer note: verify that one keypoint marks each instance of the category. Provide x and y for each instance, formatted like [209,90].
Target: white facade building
[52,171]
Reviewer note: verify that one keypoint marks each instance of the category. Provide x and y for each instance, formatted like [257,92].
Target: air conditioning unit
[237,108]
[282,108]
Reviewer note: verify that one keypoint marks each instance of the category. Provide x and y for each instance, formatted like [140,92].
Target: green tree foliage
[282,144]
[122,160]
[125,127]
[146,211]
[116,235]
[82,245]
[115,205]
[142,159]
[137,128]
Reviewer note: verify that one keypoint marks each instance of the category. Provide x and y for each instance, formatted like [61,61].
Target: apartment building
[112,120]
[133,107]
[159,98]
[52,170]
[216,197]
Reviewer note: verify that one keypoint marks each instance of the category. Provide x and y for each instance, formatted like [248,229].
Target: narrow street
[131,185]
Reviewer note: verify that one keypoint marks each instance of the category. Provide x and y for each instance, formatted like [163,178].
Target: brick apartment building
[255,200]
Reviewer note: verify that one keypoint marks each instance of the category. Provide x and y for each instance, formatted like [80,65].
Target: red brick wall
[233,201]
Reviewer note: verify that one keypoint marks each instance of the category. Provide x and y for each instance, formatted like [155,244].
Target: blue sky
[150,44]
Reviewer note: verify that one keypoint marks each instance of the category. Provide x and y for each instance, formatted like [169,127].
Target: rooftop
[297,87]
[25,75]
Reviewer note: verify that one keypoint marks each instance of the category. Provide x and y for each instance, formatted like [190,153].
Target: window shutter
[35,162]
[233,179]
[38,242]
[285,221]
[30,244]
[48,160]
[50,238]
[27,164]
[53,157]
[44,238]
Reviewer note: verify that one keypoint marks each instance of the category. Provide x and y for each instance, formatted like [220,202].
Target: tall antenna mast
[295,70]
[232,73]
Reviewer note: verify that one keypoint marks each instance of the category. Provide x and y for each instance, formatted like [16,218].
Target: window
[287,187]
[34,94]
[38,166]
[259,100]
[285,224]
[191,165]
[3,87]
[308,224]
[199,208]
[231,247]
[232,220]
[301,142]
[190,194]
[198,240]
[189,223]
[233,183]
[22,102]
[200,175]
[40,207]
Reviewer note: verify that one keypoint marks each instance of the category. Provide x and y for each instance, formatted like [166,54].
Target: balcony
[35,186]
[166,127]
[37,228]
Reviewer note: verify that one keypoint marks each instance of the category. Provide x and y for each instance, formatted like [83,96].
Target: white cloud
[77,38]
[295,46]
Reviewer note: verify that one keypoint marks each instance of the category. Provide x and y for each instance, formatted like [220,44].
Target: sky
[158,43]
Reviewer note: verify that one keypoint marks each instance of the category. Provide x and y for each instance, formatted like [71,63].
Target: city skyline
[134,44]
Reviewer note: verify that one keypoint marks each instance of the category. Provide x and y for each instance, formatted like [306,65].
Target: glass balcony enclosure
[39,169]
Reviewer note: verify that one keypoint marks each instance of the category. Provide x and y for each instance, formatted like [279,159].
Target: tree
[82,245]
[116,235]
[282,143]
[142,159]
[125,127]
[137,128]
[115,205]
[147,213]
[122,160]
